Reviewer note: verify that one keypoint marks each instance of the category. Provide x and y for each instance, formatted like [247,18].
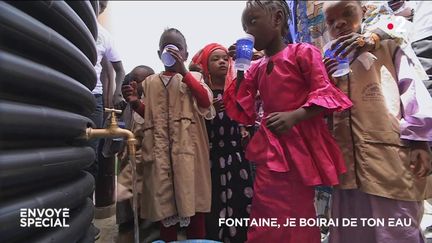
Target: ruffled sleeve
[241,107]
[416,123]
[321,91]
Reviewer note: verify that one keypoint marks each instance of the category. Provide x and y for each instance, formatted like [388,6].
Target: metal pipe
[115,132]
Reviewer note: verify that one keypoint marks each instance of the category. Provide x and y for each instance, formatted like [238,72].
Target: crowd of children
[194,148]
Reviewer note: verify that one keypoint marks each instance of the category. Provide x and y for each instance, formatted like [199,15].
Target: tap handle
[113,111]
[113,115]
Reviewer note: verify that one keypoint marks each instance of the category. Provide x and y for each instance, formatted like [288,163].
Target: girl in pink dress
[293,148]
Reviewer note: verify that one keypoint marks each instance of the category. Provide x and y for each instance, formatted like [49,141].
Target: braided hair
[271,6]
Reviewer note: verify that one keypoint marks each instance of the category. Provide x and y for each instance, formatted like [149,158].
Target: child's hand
[129,92]
[179,65]
[218,105]
[348,43]
[330,65]
[244,132]
[421,159]
[123,193]
[245,136]
[281,122]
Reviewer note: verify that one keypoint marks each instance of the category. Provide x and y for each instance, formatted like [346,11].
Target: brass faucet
[114,131]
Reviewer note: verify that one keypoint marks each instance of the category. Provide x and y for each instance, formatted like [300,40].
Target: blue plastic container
[244,52]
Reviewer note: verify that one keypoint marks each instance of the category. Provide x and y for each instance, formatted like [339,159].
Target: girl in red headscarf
[231,178]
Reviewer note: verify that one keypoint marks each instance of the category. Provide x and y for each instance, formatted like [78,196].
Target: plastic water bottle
[166,58]
[244,52]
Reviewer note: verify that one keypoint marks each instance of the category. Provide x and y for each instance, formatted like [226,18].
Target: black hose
[38,122]
[86,12]
[88,237]
[27,37]
[41,85]
[25,166]
[24,189]
[13,143]
[67,195]
[60,17]
[47,56]
[95,6]
[78,227]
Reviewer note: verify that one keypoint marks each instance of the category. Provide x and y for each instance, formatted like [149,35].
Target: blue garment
[292,21]
[303,34]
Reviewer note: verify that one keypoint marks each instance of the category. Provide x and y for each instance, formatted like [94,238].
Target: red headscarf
[202,57]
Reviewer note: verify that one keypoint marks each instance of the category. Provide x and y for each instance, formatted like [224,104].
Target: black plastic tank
[47,57]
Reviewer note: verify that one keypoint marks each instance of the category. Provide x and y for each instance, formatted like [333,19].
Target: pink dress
[298,79]
[289,165]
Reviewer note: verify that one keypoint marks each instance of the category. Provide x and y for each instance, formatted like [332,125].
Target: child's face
[259,23]
[218,63]
[176,39]
[343,17]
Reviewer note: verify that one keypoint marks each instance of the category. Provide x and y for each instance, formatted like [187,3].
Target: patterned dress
[231,178]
